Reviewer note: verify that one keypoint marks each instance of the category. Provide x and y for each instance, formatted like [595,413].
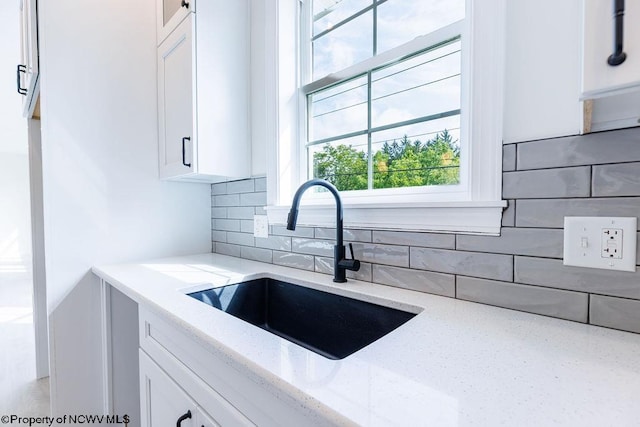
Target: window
[388,120]
[398,102]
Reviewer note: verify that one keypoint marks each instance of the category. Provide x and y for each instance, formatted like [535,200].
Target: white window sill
[459,217]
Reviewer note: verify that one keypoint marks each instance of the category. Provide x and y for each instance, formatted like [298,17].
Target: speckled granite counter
[455,364]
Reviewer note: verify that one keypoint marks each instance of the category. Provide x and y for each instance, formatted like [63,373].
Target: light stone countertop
[455,364]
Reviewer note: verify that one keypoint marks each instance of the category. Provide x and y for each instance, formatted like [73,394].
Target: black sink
[330,325]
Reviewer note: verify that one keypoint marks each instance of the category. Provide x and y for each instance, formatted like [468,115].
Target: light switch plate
[608,243]
[260,226]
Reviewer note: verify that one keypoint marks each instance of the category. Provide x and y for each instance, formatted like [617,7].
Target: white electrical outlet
[600,242]
[611,245]
[261,226]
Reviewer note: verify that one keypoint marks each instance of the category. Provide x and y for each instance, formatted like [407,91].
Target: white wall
[103,202]
[15,226]
[259,86]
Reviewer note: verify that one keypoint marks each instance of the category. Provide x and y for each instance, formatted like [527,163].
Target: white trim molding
[469,218]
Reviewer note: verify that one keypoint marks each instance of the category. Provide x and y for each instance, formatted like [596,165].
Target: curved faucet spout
[339,264]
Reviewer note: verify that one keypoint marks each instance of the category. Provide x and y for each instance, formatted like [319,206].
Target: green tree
[343,166]
[440,160]
[403,163]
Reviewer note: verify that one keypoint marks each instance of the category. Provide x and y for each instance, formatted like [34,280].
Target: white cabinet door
[175,102]
[203,93]
[28,70]
[170,14]
[162,401]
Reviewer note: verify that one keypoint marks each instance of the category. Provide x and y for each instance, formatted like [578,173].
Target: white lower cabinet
[164,402]
[180,373]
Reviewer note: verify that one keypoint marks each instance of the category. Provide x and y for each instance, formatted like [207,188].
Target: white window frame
[476,204]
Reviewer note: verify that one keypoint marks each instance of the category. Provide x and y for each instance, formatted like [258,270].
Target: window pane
[343,163]
[338,110]
[421,86]
[346,45]
[327,13]
[400,21]
[426,153]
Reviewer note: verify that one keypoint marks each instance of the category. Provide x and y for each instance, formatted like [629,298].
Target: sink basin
[331,325]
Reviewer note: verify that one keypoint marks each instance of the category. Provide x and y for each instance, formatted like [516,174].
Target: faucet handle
[351,250]
[349,264]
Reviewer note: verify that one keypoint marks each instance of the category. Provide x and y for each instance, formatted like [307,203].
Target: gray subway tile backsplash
[509,157]
[534,299]
[226,200]
[242,186]
[281,230]
[544,181]
[246,225]
[243,212]
[227,224]
[552,273]
[244,239]
[541,242]
[278,243]
[548,183]
[476,264]
[382,254]
[425,240]
[219,236]
[312,246]
[349,235]
[617,180]
[219,188]
[292,259]
[260,184]
[218,213]
[416,280]
[550,213]
[253,199]
[227,249]
[617,313]
[256,254]
[597,148]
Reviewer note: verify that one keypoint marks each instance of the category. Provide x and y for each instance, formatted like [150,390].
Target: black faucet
[340,263]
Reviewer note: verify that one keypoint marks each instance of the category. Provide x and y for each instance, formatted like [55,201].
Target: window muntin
[389,127]
[338,111]
[413,102]
[424,85]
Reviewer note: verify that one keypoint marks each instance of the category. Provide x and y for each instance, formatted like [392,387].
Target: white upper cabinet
[602,76]
[203,91]
[175,100]
[170,13]
[27,72]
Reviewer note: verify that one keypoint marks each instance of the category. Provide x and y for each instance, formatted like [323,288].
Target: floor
[20,393]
